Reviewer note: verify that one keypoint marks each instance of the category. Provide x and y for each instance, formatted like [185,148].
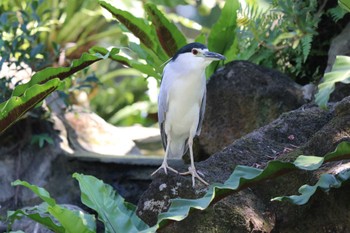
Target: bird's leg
[165,165]
[192,169]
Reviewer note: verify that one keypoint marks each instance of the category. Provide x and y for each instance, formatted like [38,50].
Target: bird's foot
[165,166]
[192,171]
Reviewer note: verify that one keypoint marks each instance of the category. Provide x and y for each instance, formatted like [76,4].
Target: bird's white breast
[184,102]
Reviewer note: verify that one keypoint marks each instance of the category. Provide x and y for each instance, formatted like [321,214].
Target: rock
[307,130]
[85,134]
[340,45]
[243,97]
[22,159]
[89,132]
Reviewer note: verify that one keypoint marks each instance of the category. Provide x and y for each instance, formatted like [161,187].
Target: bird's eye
[194,51]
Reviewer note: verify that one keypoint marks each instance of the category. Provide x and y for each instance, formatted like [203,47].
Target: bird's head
[195,55]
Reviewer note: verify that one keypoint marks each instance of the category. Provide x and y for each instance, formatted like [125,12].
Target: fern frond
[306,45]
[337,13]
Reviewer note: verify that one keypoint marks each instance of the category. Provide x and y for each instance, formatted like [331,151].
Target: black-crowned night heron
[181,103]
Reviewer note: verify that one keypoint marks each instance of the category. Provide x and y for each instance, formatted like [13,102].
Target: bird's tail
[177,148]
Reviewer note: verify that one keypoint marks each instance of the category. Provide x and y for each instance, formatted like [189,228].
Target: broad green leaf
[170,3]
[340,73]
[153,60]
[113,211]
[28,95]
[345,4]
[135,25]
[222,34]
[169,36]
[232,52]
[37,214]
[144,68]
[113,54]
[341,152]
[71,220]
[15,107]
[308,162]
[61,72]
[325,183]
[41,192]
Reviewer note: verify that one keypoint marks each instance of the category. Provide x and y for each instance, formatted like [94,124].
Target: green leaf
[113,54]
[337,13]
[144,68]
[308,163]
[50,73]
[325,183]
[40,192]
[41,139]
[232,52]
[135,25]
[113,211]
[170,3]
[15,107]
[222,34]
[38,214]
[345,4]
[28,95]
[340,73]
[71,220]
[169,36]
[306,45]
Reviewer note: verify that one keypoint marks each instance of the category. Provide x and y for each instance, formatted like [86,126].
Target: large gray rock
[241,98]
[340,45]
[307,130]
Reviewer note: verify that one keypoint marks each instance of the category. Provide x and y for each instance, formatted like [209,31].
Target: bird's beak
[214,56]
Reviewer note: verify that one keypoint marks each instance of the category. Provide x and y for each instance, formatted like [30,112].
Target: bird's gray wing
[162,109]
[201,112]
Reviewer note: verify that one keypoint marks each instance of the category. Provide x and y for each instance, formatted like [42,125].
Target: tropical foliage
[120,216]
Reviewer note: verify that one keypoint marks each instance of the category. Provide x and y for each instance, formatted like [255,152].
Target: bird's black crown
[188,48]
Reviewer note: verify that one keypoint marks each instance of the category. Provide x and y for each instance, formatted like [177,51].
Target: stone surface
[85,134]
[340,45]
[307,130]
[243,97]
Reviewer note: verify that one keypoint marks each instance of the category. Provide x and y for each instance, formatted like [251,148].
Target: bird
[181,103]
